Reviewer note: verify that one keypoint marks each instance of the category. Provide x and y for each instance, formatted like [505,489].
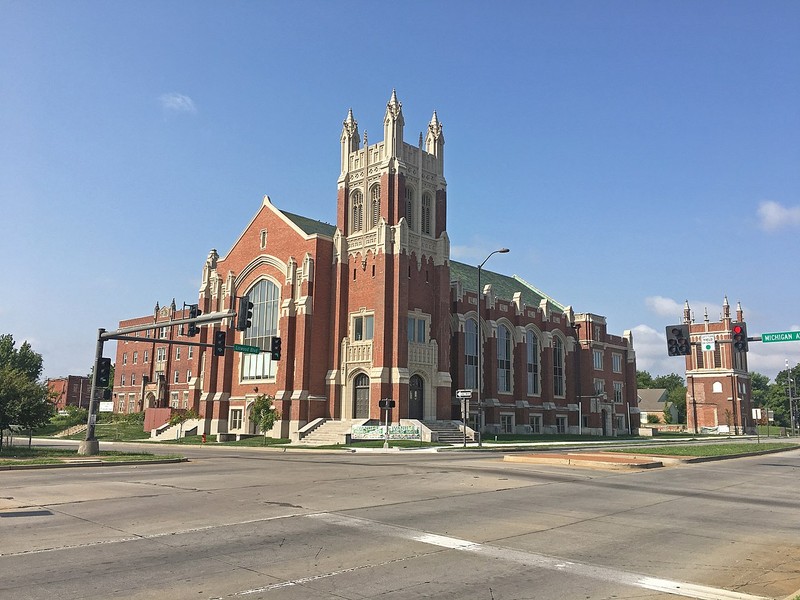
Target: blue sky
[632,155]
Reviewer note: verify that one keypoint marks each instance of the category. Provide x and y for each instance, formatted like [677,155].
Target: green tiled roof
[503,286]
[310,226]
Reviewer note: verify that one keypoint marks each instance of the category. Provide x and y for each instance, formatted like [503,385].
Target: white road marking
[531,559]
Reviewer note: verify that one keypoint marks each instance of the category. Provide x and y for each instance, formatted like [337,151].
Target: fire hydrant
[204,438]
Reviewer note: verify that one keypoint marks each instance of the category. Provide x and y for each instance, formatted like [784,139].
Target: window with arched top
[356,211]
[265,296]
[471,354]
[375,203]
[532,361]
[410,208]
[558,367]
[425,219]
[503,359]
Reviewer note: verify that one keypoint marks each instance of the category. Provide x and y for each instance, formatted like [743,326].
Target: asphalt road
[252,523]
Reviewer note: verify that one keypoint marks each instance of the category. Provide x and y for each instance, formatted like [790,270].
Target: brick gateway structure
[373,308]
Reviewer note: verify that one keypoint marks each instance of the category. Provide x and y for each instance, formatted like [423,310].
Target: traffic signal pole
[90,446]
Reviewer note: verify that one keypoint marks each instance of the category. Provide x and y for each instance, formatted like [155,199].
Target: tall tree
[24,400]
[644,381]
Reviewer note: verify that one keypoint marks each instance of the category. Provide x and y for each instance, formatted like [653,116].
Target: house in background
[654,402]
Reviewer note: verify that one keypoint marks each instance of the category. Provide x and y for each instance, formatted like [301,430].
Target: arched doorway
[415,397]
[605,418]
[361,397]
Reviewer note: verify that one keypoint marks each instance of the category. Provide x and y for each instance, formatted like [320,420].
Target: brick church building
[374,308]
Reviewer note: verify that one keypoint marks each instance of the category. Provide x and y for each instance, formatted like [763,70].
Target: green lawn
[118,431]
[37,455]
[197,440]
[722,449]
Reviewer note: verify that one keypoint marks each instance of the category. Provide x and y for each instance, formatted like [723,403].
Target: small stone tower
[718,394]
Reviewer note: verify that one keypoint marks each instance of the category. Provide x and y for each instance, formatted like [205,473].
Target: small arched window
[410,208]
[532,347]
[375,203]
[471,354]
[558,366]
[425,221]
[503,359]
[356,211]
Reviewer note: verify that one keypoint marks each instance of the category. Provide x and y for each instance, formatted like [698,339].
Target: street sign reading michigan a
[781,336]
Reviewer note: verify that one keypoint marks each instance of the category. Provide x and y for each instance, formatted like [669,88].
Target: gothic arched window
[265,296]
[356,211]
[410,208]
[533,362]
[558,366]
[425,221]
[471,354]
[503,359]
[375,203]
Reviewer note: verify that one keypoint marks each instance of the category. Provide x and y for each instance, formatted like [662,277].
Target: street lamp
[480,345]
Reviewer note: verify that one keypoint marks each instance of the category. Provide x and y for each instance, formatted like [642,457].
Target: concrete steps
[448,432]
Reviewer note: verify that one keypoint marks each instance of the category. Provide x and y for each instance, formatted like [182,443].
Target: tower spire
[393,123]
[349,139]
[434,142]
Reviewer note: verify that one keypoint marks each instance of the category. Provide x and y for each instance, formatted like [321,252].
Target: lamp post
[480,345]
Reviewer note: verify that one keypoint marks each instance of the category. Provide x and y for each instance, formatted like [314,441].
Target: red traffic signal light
[739,337]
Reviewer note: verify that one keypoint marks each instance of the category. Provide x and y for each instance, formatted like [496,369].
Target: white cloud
[177,103]
[774,216]
[664,307]
[651,352]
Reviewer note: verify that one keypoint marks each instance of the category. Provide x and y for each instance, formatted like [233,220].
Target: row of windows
[175,379]
[505,356]
[161,355]
[358,211]
[616,361]
[424,215]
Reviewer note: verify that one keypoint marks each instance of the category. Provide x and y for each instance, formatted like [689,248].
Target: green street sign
[781,336]
[246,349]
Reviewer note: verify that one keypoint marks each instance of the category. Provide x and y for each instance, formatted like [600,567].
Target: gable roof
[503,286]
[310,226]
[652,399]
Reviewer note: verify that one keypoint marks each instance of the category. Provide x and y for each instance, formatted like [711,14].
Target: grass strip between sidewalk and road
[16,455]
[708,450]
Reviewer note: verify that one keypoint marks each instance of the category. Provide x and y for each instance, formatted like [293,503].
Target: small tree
[264,414]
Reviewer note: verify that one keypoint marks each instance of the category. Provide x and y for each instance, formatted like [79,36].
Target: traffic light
[103,372]
[678,343]
[739,337]
[219,343]
[275,348]
[194,328]
[244,316]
